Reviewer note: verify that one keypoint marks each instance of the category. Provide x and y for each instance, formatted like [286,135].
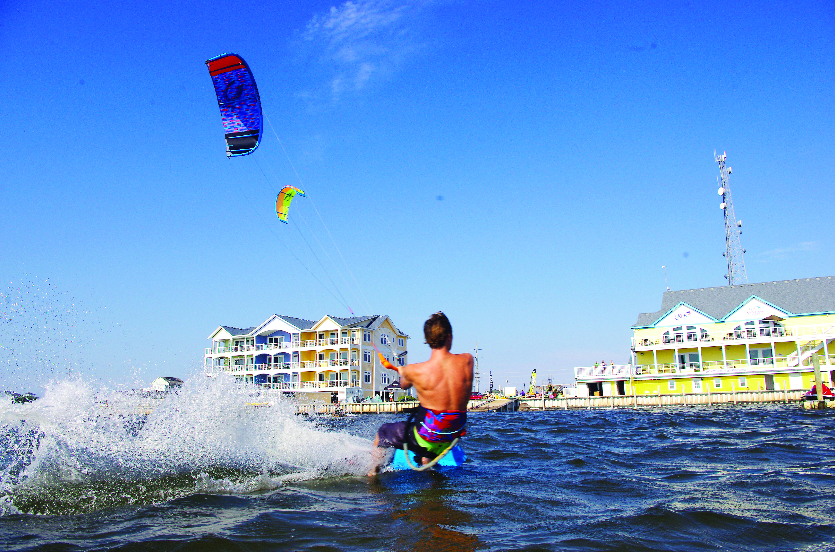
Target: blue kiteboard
[453,459]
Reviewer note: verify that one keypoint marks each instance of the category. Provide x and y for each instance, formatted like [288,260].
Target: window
[401,342]
[384,339]
[366,337]
[688,361]
[763,328]
[366,377]
[760,356]
[276,341]
[671,385]
[366,356]
[384,379]
[697,385]
[717,383]
[743,382]
[680,334]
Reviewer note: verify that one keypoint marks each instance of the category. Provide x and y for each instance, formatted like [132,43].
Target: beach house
[331,355]
[760,336]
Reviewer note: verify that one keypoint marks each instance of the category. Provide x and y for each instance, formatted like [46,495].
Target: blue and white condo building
[330,355]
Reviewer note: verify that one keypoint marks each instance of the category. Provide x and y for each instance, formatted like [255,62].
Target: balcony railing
[609,370]
[339,364]
[821,331]
[324,384]
[309,385]
[706,367]
[284,345]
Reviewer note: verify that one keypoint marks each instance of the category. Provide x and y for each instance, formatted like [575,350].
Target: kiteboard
[453,459]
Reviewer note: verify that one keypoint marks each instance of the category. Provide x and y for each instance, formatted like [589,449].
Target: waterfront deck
[683,399]
[573,403]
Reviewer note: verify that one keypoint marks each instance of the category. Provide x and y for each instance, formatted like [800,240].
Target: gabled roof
[367,322]
[300,323]
[686,306]
[798,297]
[355,321]
[235,332]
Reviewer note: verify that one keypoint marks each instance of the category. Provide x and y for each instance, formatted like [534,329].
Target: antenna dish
[722,205]
[721,191]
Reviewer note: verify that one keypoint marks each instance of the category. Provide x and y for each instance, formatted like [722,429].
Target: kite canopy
[282,203]
[239,103]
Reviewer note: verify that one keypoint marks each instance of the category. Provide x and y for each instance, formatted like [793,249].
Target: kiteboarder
[443,384]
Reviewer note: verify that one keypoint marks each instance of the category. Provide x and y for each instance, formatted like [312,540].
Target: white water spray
[81,449]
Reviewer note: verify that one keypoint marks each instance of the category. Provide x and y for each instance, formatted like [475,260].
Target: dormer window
[682,334]
[759,328]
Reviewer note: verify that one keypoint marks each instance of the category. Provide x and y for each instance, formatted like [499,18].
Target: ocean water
[212,468]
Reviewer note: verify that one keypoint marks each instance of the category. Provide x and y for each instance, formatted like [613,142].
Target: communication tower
[476,377]
[734,253]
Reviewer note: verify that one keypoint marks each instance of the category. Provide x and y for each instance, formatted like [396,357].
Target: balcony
[710,367]
[607,371]
[742,336]
[283,346]
[307,365]
[309,385]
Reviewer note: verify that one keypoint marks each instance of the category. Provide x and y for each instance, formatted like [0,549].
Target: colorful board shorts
[426,432]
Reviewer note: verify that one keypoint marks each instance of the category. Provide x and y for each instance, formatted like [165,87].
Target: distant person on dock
[443,384]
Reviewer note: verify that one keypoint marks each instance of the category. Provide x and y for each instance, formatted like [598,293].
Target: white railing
[288,366]
[709,366]
[307,385]
[324,384]
[609,370]
[747,334]
[283,346]
[267,347]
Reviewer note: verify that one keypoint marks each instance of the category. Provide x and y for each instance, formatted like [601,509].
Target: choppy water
[86,469]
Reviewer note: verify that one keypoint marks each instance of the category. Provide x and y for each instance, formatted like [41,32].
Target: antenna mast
[733,228]
[476,377]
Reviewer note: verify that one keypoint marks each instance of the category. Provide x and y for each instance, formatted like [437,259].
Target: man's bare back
[443,382]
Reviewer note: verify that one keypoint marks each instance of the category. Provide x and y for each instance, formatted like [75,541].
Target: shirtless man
[443,385]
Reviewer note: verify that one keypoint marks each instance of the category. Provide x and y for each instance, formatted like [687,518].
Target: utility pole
[733,228]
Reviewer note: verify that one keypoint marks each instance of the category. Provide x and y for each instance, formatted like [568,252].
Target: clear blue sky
[526,167]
